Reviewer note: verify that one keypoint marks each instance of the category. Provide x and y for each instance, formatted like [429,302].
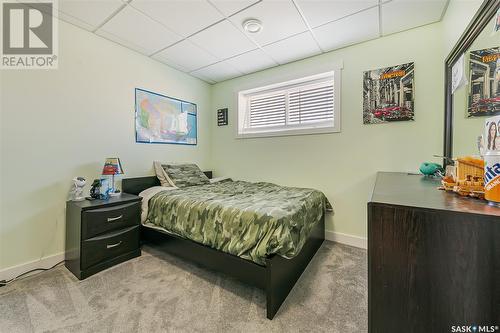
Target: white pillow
[162,175]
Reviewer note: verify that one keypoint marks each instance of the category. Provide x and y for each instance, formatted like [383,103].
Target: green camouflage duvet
[250,220]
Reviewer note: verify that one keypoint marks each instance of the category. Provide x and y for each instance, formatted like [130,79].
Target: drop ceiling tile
[134,29]
[252,61]
[182,17]
[321,12]
[93,13]
[201,77]
[73,20]
[174,65]
[350,30]
[83,13]
[399,15]
[187,55]
[113,38]
[218,72]
[280,19]
[294,48]
[223,40]
[229,7]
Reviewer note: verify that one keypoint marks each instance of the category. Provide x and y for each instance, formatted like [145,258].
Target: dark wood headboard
[139,184]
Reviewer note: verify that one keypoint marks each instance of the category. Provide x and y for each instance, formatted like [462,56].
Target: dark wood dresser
[101,233]
[433,258]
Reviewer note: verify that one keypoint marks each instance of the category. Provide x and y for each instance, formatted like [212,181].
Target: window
[304,106]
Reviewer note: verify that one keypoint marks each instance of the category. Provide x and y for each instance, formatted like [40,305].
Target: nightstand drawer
[98,221]
[108,246]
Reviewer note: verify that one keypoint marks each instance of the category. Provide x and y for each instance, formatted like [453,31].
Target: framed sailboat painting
[163,119]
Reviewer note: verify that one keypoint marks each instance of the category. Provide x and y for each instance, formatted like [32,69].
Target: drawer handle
[111,219]
[110,246]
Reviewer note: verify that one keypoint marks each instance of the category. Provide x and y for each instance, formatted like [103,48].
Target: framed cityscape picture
[484,87]
[388,94]
[163,119]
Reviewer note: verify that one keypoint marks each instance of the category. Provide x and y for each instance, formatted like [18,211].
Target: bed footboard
[282,273]
[277,278]
[241,269]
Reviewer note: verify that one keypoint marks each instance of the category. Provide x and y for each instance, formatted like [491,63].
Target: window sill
[290,132]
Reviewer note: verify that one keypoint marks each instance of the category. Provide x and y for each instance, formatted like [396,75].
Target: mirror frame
[480,20]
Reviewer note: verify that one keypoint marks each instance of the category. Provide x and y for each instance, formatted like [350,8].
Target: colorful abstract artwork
[162,119]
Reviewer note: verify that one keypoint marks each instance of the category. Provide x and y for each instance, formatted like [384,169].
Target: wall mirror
[477,55]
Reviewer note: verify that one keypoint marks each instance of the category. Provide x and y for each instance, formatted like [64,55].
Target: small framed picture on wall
[222,117]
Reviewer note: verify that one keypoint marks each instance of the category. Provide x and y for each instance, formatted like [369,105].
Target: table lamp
[112,167]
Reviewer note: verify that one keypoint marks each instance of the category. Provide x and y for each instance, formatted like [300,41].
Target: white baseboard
[347,239]
[45,262]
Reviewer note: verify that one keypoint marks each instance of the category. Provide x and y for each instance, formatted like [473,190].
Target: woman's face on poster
[493,130]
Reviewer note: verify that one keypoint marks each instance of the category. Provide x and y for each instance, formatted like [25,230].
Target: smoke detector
[252,26]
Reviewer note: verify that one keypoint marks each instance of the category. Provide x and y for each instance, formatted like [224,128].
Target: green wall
[343,165]
[458,15]
[58,124]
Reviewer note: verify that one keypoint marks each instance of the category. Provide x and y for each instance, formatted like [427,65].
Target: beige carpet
[160,293]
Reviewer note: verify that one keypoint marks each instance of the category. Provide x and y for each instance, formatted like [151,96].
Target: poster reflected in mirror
[484,88]
[388,94]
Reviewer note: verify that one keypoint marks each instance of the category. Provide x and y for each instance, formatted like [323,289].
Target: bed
[216,225]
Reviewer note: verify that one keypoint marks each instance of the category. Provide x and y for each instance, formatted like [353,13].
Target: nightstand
[101,233]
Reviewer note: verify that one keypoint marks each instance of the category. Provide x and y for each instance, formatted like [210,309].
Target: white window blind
[301,106]
[268,110]
[311,104]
